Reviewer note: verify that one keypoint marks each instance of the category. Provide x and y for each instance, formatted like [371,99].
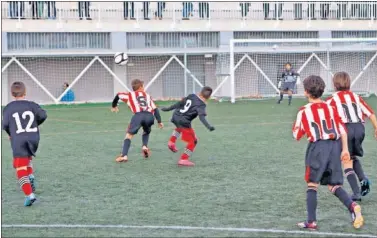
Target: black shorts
[24,146]
[323,163]
[141,119]
[355,135]
[180,122]
[288,86]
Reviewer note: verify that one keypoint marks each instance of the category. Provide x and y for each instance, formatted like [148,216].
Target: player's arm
[40,114]
[174,106]
[119,96]
[156,114]
[202,117]
[298,128]
[345,155]
[367,111]
[6,122]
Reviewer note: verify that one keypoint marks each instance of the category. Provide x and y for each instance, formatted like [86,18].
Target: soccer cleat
[278,102]
[185,162]
[306,225]
[146,152]
[172,147]
[365,187]
[357,218]
[121,159]
[32,182]
[29,200]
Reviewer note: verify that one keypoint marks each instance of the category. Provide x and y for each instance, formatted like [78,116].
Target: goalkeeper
[287,83]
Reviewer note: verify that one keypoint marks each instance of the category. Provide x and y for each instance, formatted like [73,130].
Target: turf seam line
[251,230]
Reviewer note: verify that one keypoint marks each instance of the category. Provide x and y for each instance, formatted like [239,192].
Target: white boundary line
[252,230]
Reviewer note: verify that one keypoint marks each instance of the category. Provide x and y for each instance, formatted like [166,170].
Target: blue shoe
[365,187]
[32,182]
[29,200]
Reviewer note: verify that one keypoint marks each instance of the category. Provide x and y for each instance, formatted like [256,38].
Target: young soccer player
[323,127]
[353,109]
[145,110]
[187,110]
[21,119]
[288,82]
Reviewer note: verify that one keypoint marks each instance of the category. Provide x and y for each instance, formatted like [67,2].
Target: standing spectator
[278,13]
[245,7]
[16,9]
[127,10]
[51,9]
[204,10]
[187,10]
[146,10]
[160,8]
[84,10]
[37,9]
[324,10]
[69,96]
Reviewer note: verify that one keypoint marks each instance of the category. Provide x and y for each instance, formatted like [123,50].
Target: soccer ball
[121,58]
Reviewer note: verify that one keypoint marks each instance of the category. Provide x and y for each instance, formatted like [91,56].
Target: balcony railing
[114,11]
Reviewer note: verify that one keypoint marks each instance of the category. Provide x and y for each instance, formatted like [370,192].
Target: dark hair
[342,81]
[314,86]
[136,84]
[18,89]
[66,84]
[206,92]
[288,64]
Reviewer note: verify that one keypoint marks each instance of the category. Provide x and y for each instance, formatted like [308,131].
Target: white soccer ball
[121,58]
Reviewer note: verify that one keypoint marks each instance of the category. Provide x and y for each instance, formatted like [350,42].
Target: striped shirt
[318,121]
[138,101]
[352,108]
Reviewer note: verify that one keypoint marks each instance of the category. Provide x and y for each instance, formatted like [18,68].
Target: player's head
[342,81]
[137,85]
[288,66]
[18,90]
[206,92]
[314,87]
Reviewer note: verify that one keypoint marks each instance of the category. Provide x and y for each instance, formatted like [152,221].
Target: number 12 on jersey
[28,128]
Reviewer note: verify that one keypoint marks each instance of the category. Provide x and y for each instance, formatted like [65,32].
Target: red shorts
[187,134]
[22,162]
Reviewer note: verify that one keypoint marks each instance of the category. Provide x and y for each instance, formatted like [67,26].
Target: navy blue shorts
[323,163]
[141,119]
[356,135]
[288,86]
[24,146]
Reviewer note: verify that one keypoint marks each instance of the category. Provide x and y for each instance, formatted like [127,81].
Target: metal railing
[107,11]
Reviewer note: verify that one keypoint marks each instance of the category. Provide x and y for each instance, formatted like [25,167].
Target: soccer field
[249,174]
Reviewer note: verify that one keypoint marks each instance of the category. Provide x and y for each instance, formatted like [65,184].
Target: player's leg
[335,182]
[281,96]
[290,93]
[132,130]
[359,132]
[147,124]
[311,207]
[32,147]
[174,136]
[31,175]
[189,136]
[21,166]
[348,165]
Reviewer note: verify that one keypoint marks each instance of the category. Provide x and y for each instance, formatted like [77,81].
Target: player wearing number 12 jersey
[145,110]
[187,110]
[21,119]
[353,109]
[323,127]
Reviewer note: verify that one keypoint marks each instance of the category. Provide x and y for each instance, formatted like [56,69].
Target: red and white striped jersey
[138,101]
[318,121]
[352,108]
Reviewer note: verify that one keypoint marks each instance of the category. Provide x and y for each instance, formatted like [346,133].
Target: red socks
[24,181]
[175,135]
[188,150]
[30,170]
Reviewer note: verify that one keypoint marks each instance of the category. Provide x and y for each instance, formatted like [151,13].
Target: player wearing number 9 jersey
[21,119]
[144,110]
[353,110]
[323,127]
[187,110]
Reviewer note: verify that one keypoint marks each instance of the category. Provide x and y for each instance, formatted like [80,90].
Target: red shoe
[185,162]
[306,225]
[172,147]
[146,152]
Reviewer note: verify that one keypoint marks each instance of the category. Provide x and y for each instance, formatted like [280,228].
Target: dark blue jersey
[21,119]
[187,110]
[289,76]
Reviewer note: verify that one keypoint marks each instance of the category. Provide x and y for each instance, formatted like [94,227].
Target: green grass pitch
[249,174]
